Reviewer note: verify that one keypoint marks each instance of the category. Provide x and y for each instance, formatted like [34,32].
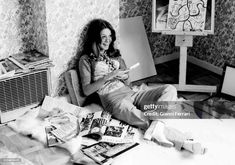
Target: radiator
[20,93]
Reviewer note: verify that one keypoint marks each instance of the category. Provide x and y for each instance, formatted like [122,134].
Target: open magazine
[102,127]
[62,120]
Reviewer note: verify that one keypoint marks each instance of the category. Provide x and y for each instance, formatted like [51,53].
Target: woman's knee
[171,89]
[170,93]
[127,112]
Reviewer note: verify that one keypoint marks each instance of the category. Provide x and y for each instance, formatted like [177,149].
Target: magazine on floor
[52,140]
[62,117]
[8,69]
[103,152]
[29,59]
[66,126]
[102,127]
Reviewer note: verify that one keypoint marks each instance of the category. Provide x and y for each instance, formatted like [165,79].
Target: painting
[186,15]
[198,13]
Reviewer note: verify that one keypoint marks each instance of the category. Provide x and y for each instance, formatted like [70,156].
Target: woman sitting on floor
[102,70]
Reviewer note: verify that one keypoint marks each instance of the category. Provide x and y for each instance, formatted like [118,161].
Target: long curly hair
[89,35]
[93,36]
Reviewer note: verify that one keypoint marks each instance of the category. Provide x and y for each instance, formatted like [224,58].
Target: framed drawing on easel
[184,19]
[160,16]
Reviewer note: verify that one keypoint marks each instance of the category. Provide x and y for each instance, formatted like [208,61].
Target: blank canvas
[228,86]
[135,48]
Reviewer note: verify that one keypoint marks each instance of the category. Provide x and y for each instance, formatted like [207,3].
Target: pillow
[73,85]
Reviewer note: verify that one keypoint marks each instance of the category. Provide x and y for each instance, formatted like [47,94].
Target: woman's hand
[123,75]
[119,74]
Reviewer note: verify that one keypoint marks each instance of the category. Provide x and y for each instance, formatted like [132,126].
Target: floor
[218,143]
[20,148]
[168,73]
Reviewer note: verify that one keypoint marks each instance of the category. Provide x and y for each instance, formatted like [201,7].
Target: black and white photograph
[114,131]
[155,77]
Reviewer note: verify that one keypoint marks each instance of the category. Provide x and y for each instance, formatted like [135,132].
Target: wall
[10,41]
[220,47]
[216,49]
[40,26]
[22,26]
[50,26]
[160,44]
[65,23]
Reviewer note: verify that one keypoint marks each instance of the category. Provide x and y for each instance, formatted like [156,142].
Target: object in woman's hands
[134,66]
[123,74]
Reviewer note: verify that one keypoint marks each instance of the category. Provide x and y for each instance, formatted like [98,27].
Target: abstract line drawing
[187,15]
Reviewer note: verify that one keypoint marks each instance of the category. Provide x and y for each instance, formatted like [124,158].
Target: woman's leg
[128,109]
[155,94]
[156,132]
[127,112]
[166,136]
[152,96]
[169,93]
[183,141]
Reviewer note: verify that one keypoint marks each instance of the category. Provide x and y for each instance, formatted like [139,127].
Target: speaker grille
[23,91]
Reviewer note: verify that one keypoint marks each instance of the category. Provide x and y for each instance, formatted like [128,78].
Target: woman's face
[106,39]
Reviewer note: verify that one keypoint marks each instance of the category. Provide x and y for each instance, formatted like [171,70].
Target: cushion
[74,89]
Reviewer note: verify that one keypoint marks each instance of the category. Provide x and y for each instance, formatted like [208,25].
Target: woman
[103,71]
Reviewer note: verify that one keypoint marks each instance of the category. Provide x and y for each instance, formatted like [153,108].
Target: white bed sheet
[217,135]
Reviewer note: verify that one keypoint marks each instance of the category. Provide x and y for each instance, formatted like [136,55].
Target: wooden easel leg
[185,41]
[183,66]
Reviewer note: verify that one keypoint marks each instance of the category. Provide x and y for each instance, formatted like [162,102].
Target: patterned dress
[112,91]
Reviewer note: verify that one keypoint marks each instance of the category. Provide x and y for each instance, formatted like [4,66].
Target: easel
[184,40]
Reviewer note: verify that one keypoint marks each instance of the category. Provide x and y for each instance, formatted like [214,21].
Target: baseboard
[205,65]
[166,58]
[193,60]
